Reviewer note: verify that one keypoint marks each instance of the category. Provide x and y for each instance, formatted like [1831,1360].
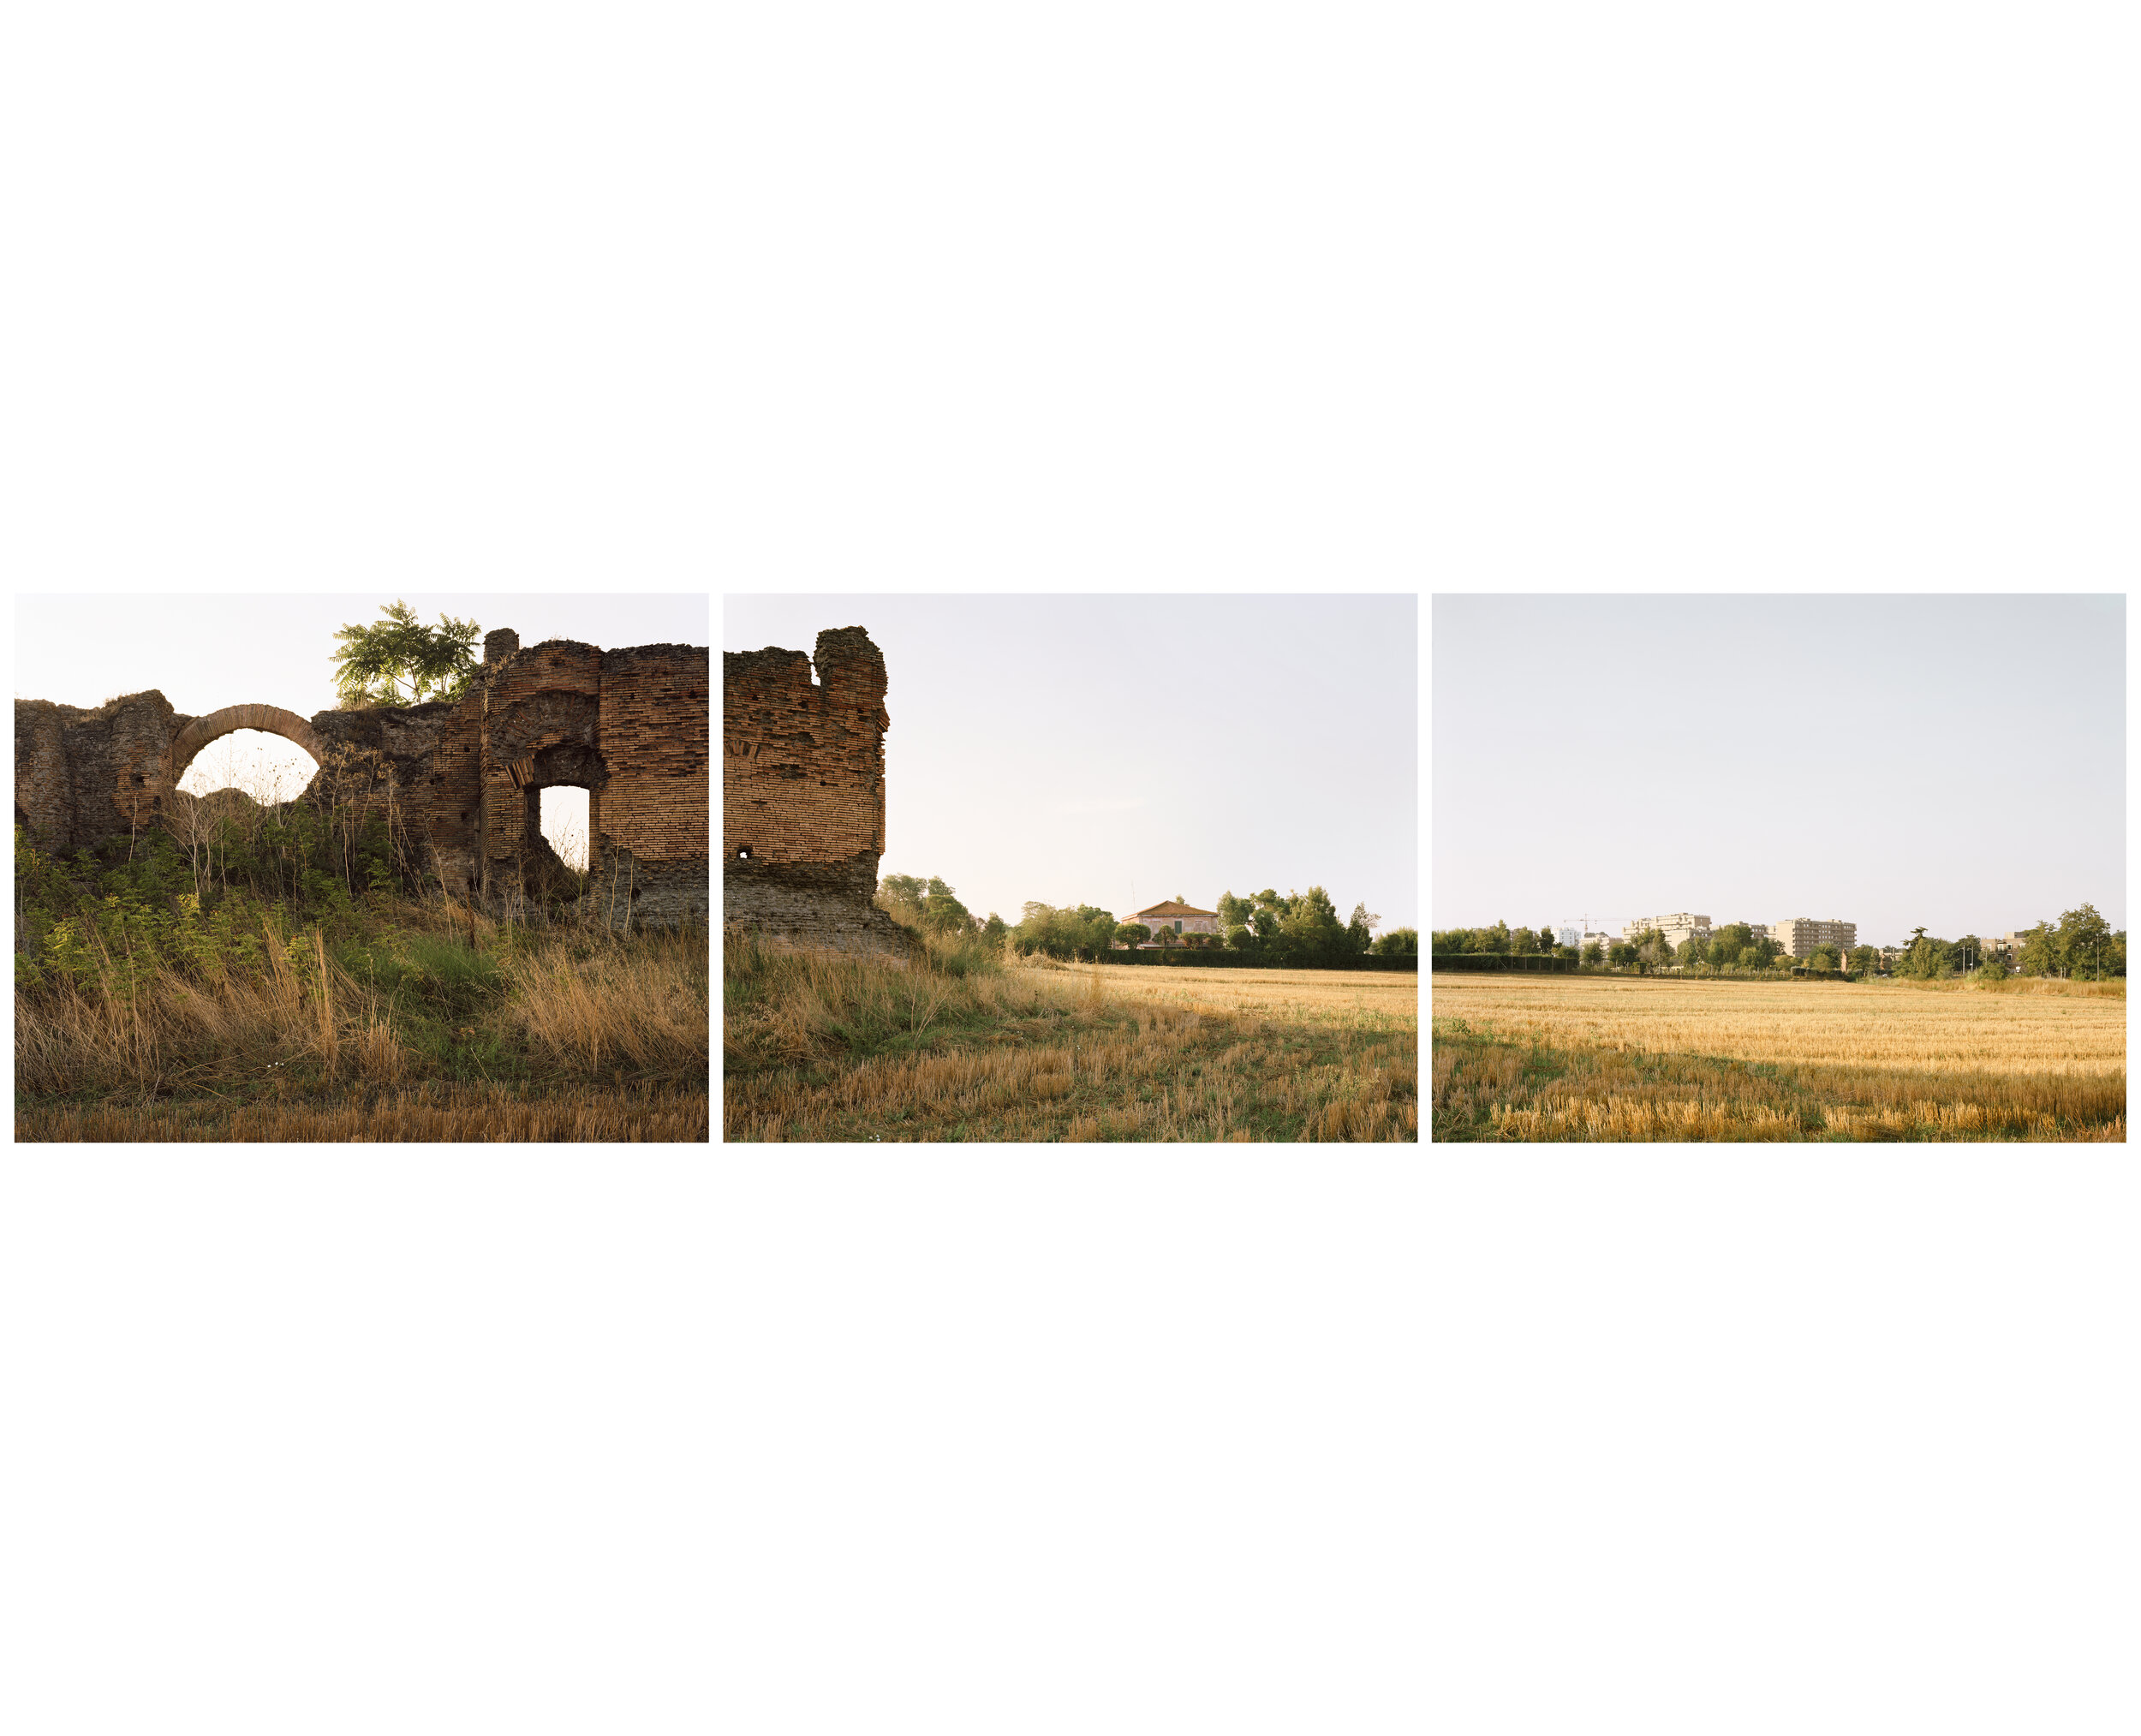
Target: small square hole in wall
[743,852]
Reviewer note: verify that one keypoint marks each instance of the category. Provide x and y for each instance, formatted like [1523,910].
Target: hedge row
[1502,961]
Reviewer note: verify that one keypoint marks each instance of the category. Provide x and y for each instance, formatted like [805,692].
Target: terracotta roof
[1171,908]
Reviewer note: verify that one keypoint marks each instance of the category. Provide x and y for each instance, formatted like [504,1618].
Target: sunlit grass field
[958,1046]
[1586,1057]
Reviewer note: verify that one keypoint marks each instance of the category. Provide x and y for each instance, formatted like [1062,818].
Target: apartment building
[1682,925]
[1801,934]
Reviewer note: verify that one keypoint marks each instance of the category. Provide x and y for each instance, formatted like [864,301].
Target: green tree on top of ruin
[399,661]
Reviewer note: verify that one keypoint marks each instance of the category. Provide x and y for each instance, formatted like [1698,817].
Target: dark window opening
[139,779]
[743,852]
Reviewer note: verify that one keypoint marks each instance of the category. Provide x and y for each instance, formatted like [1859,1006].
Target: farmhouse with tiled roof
[1183,919]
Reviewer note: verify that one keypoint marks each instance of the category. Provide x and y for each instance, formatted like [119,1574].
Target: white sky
[204,653]
[1118,750]
[1954,762]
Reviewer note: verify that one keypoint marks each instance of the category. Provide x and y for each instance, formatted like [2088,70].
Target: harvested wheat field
[1594,1058]
[447,1113]
[961,1047]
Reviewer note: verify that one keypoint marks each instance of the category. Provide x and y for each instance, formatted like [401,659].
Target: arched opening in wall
[564,823]
[263,768]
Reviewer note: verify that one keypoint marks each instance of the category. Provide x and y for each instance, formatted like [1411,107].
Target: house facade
[1177,918]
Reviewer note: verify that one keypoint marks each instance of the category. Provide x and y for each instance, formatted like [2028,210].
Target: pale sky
[204,653]
[1119,750]
[1954,762]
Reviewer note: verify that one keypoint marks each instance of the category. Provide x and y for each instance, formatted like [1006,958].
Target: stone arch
[215,725]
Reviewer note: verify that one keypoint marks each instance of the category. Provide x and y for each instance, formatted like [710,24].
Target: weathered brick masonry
[802,793]
[465,780]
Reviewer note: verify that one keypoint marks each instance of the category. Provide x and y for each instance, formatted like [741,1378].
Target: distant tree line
[1300,930]
[2080,945]
[1734,949]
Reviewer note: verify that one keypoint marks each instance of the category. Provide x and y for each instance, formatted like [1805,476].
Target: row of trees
[1304,928]
[1647,949]
[1299,929]
[1501,938]
[2081,943]
[1733,947]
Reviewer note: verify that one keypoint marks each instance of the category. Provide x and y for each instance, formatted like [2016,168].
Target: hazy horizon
[1956,762]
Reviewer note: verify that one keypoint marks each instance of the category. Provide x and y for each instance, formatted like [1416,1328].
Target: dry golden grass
[533,1015]
[1589,1058]
[457,1114]
[822,1047]
[616,1007]
[1359,998]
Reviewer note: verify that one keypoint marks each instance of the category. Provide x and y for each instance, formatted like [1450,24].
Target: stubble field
[818,1047]
[1586,1057]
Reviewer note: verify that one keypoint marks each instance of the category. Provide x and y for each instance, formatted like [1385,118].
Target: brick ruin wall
[802,793]
[465,779]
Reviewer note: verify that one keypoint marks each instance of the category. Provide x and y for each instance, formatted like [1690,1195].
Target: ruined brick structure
[463,782]
[802,793]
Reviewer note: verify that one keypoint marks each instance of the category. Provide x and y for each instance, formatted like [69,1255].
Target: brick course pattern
[802,793]
[464,780]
